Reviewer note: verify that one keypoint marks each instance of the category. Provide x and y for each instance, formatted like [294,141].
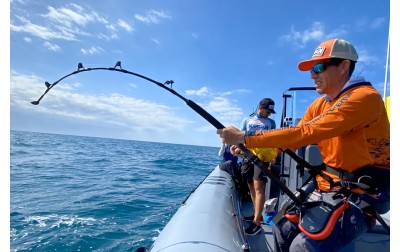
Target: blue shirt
[257,122]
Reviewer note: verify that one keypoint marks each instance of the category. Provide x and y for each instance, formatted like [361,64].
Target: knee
[224,166]
[285,228]
[299,243]
[251,186]
[258,184]
[284,232]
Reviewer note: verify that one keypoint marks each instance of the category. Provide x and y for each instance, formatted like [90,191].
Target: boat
[211,218]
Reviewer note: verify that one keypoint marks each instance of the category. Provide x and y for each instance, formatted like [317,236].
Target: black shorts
[252,172]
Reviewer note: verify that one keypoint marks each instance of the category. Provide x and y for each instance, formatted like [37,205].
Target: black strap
[317,170]
[314,170]
[342,174]
[369,209]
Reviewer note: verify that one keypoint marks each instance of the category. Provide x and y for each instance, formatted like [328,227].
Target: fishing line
[167,85]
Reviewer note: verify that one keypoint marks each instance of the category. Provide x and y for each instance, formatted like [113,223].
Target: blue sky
[223,55]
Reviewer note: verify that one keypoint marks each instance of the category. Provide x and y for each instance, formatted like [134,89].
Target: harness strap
[346,184]
[368,209]
[314,170]
[317,170]
[346,178]
[342,174]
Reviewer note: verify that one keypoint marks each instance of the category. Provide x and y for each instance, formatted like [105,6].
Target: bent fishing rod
[199,110]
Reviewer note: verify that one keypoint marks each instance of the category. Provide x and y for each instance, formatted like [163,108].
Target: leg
[247,171]
[347,228]
[259,199]
[226,166]
[260,179]
[284,232]
[274,191]
[252,191]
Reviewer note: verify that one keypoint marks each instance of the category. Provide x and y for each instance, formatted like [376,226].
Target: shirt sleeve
[222,150]
[351,111]
[243,124]
[273,124]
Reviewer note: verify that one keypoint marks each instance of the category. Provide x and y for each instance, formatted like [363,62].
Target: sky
[223,55]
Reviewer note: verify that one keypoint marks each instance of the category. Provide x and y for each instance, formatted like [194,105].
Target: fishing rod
[199,110]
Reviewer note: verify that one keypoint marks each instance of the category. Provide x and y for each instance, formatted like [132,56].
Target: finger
[238,151]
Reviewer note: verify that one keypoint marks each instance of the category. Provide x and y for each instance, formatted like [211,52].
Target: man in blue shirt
[254,175]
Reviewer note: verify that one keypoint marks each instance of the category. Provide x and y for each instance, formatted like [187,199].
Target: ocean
[75,193]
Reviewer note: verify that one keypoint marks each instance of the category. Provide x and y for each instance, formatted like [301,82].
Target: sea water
[74,193]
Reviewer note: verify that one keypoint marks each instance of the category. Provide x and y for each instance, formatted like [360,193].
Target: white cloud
[113,35]
[124,25]
[364,23]
[92,50]
[132,85]
[194,35]
[111,27]
[152,17]
[226,110]
[42,32]
[317,32]
[201,92]
[18,1]
[366,58]
[71,17]
[220,106]
[300,38]
[52,47]
[236,91]
[70,23]
[377,22]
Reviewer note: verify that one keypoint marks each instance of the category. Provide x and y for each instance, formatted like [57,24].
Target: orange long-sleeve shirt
[351,132]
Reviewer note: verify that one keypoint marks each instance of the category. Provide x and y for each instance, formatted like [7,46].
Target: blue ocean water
[74,193]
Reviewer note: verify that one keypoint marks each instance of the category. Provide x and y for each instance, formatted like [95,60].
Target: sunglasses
[320,67]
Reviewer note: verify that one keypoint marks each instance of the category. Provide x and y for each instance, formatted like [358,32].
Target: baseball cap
[333,48]
[268,104]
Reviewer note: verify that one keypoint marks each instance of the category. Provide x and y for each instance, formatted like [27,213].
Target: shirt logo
[258,127]
[319,51]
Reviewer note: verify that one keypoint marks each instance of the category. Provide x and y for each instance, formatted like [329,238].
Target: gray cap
[333,48]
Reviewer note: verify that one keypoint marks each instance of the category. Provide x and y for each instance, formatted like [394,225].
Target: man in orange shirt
[351,127]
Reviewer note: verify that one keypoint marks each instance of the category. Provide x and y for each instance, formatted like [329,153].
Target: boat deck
[263,241]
